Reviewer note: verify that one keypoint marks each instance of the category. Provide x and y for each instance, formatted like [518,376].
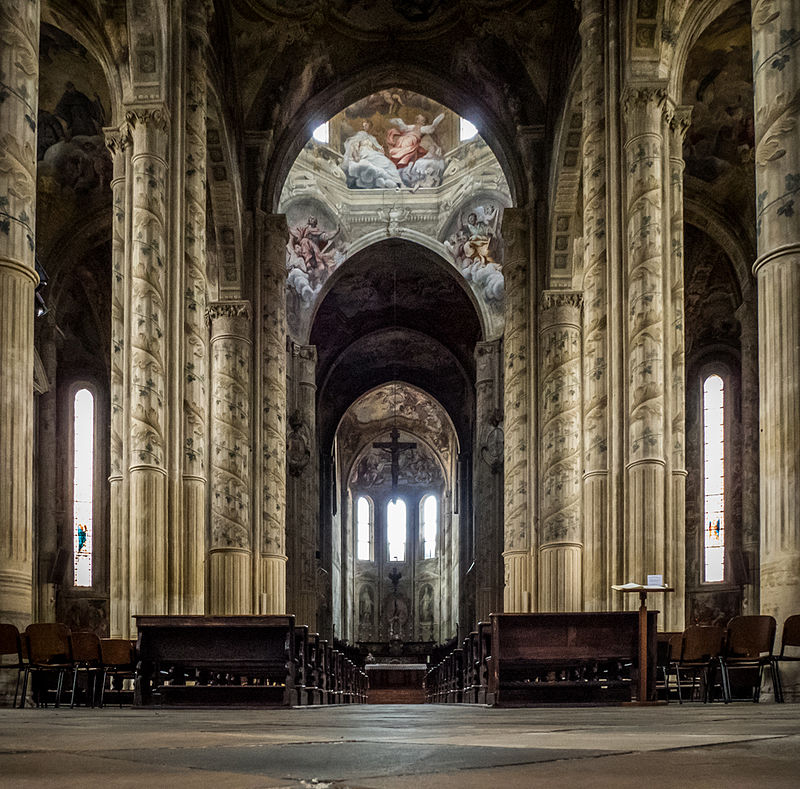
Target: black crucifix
[395,446]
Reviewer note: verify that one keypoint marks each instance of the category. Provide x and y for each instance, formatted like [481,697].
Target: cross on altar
[395,446]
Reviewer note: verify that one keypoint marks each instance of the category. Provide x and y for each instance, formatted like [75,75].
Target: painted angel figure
[416,151]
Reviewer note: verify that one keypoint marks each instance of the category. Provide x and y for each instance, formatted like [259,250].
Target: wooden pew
[219,660]
[586,657]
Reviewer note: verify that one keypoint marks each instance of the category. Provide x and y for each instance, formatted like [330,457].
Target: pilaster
[560,536]
[19,70]
[518,547]
[271,572]
[488,479]
[776,71]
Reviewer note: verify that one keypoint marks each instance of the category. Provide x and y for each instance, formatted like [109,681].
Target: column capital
[229,317]
[154,116]
[643,106]
[679,118]
[556,299]
[117,138]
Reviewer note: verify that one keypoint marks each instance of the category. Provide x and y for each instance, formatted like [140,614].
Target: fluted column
[675,559]
[597,578]
[119,145]
[488,479]
[646,537]
[230,562]
[19,85]
[191,567]
[47,475]
[303,485]
[518,544]
[271,584]
[147,514]
[560,533]
[776,70]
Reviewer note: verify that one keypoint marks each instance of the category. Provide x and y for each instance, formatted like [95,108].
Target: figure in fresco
[416,151]
[426,604]
[480,226]
[365,163]
[310,243]
[366,606]
[81,115]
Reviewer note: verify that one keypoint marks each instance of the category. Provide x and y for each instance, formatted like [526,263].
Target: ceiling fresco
[720,143]
[73,165]
[394,166]
[418,417]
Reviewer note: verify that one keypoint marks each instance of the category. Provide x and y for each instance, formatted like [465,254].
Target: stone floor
[371,747]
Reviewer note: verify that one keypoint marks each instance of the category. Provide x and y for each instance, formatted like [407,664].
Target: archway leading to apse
[395,301]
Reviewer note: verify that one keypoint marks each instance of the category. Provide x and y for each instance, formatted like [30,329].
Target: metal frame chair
[50,650]
[789,638]
[749,647]
[11,644]
[87,658]
[701,647]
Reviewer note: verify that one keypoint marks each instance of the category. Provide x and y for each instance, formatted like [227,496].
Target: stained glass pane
[364,528]
[429,526]
[83,487]
[714,478]
[396,530]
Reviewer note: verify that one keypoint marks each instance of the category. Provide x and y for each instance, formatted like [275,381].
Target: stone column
[560,534]
[191,577]
[517,401]
[271,584]
[47,475]
[646,538]
[119,144]
[488,479]
[19,85]
[147,514]
[776,70]
[597,578]
[303,484]
[230,555]
[675,560]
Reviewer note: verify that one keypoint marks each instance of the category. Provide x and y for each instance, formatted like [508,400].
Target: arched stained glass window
[82,487]
[364,529]
[396,530]
[430,525]
[714,479]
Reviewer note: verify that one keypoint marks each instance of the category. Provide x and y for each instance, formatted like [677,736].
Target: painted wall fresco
[74,167]
[394,166]
[718,82]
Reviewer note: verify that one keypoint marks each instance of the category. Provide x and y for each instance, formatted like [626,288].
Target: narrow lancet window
[364,528]
[714,478]
[396,530]
[430,522]
[83,487]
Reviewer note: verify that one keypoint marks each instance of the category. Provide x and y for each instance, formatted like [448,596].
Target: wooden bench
[219,660]
[587,657]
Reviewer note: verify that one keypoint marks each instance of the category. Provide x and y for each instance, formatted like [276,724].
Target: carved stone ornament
[493,446]
[298,453]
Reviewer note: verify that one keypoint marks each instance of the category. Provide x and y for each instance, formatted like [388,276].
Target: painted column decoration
[560,533]
[272,547]
[644,531]
[195,297]
[488,479]
[776,70]
[147,515]
[119,145]
[679,119]
[517,536]
[302,458]
[19,86]
[597,578]
[230,554]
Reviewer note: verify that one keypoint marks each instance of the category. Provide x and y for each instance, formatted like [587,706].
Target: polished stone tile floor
[377,746]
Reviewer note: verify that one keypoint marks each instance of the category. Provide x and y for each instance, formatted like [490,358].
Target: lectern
[642,590]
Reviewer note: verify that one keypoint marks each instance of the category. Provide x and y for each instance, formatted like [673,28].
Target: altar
[396,683]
